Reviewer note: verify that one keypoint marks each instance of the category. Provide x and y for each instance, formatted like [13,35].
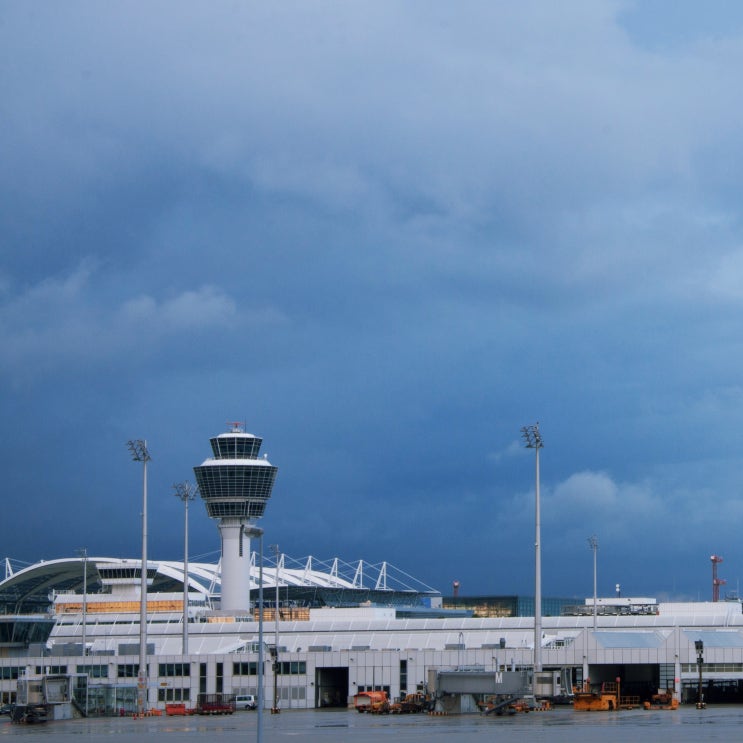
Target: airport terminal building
[326,630]
[344,640]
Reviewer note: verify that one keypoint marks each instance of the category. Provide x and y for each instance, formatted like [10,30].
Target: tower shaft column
[235,565]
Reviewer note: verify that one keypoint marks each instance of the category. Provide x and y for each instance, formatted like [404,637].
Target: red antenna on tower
[716,582]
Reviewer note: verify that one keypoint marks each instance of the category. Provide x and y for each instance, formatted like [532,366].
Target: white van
[245,701]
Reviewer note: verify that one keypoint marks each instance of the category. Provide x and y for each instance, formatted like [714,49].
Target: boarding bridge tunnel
[457,690]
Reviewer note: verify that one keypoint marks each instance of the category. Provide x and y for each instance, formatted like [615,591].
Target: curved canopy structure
[308,581]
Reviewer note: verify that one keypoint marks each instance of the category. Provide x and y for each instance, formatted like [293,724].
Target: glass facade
[506,606]
[111,701]
[242,446]
[237,490]
[25,631]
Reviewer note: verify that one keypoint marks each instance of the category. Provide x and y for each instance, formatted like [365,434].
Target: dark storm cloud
[387,236]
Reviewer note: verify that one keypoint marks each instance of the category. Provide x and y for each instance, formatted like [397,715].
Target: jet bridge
[463,690]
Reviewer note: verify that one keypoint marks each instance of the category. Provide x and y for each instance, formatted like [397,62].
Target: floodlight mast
[83,552]
[138,449]
[533,440]
[255,531]
[593,543]
[275,709]
[186,491]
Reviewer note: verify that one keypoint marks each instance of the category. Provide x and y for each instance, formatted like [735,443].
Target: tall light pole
[83,552]
[138,448]
[275,709]
[593,543]
[533,440]
[255,531]
[186,491]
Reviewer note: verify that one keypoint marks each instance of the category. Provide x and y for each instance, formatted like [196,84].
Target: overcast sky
[386,236]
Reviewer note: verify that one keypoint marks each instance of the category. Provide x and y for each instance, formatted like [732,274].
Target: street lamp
[533,440]
[275,709]
[255,531]
[699,645]
[138,449]
[593,543]
[186,491]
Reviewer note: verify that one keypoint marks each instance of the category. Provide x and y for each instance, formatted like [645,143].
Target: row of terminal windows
[129,670]
[174,669]
[174,695]
[286,668]
[245,669]
[94,672]
[98,671]
[51,670]
[293,668]
[712,668]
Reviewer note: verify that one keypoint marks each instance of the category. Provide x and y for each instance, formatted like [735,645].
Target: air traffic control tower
[235,485]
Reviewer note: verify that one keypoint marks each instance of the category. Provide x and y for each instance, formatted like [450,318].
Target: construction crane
[716,582]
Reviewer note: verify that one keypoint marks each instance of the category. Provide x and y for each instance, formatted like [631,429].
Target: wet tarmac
[562,725]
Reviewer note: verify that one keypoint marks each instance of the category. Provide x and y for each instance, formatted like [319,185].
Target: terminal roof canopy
[29,590]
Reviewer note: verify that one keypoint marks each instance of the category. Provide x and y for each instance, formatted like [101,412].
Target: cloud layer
[387,236]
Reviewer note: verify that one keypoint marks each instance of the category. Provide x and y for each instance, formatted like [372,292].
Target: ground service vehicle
[215,704]
[245,701]
[371,701]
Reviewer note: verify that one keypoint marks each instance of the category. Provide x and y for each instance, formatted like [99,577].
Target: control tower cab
[235,485]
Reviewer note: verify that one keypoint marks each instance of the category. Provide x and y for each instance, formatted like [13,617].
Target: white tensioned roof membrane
[37,581]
